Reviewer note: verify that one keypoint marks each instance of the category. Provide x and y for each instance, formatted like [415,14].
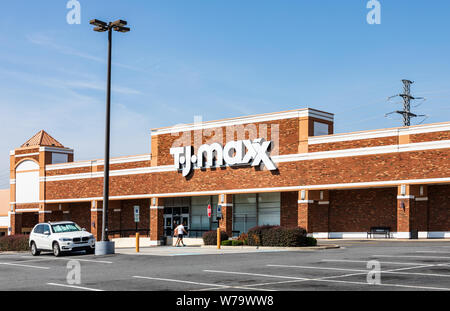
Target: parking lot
[410,265]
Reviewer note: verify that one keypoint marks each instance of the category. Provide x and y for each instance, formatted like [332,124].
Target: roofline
[247,119]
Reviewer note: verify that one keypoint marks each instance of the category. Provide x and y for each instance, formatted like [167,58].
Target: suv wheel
[34,250]
[56,250]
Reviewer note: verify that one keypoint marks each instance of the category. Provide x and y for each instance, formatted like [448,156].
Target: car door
[46,237]
[37,236]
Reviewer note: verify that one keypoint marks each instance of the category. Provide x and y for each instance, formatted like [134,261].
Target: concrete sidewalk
[212,250]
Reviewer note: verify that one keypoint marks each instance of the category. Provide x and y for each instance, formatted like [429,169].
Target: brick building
[285,168]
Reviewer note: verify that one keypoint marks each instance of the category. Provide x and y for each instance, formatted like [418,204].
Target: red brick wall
[288,138]
[289,209]
[385,167]
[362,143]
[416,138]
[439,207]
[359,210]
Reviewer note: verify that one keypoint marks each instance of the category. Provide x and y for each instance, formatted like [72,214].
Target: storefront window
[269,209]
[250,210]
[199,213]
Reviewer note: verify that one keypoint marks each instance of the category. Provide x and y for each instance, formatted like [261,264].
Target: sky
[215,59]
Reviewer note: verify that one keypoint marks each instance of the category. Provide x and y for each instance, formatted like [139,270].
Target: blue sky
[217,59]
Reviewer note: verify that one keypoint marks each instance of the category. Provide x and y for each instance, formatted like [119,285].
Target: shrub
[210,237]
[237,242]
[244,238]
[310,241]
[226,243]
[14,243]
[277,236]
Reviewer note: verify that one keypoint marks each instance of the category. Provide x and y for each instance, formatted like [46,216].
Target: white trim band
[156,207]
[422,199]
[305,201]
[402,197]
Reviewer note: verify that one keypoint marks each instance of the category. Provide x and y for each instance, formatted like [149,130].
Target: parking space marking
[76,287]
[179,281]
[215,286]
[71,258]
[21,265]
[409,256]
[396,271]
[434,252]
[329,279]
[382,262]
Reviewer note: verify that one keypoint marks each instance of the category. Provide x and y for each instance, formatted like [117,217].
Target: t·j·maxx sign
[242,152]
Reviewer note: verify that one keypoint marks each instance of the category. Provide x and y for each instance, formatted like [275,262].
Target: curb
[300,248]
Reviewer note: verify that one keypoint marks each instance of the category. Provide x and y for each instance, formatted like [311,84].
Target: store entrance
[176,211]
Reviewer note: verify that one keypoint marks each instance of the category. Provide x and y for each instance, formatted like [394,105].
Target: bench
[385,231]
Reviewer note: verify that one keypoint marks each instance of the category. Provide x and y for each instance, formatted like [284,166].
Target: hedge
[277,236]
[210,237]
[226,243]
[14,243]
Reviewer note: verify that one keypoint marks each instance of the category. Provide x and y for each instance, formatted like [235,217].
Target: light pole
[105,246]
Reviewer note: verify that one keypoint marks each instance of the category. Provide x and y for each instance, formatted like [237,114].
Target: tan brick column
[45,215]
[226,223]
[412,210]
[16,223]
[156,220]
[405,203]
[313,211]
[96,219]
[304,210]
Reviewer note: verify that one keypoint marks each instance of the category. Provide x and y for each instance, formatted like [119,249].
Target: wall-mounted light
[421,191]
[303,195]
[154,201]
[222,198]
[321,195]
[403,190]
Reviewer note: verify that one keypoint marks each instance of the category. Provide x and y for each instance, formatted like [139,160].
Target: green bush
[244,238]
[226,243]
[14,243]
[277,236]
[310,241]
[237,243]
[210,237]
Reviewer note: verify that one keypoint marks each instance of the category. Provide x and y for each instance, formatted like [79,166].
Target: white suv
[64,236]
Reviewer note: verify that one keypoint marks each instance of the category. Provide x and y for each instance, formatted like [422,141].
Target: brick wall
[439,207]
[359,210]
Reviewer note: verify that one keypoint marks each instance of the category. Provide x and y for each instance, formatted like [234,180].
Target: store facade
[284,168]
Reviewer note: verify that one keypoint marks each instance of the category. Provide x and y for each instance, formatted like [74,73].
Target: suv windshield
[69,227]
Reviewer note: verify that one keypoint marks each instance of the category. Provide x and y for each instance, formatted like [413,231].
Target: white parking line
[434,252]
[215,286]
[382,262]
[25,266]
[409,256]
[71,258]
[76,287]
[396,271]
[328,279]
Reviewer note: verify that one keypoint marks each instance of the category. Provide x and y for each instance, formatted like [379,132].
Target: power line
[407,98]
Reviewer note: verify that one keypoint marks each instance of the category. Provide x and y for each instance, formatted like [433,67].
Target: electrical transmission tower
[407,98]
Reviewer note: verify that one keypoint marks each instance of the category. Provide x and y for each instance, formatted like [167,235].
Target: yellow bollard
[218,238]
[137,242]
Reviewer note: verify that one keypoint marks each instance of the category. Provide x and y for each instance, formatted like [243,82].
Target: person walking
[179,231]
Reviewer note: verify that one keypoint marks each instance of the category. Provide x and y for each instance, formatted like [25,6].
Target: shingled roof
[42,138]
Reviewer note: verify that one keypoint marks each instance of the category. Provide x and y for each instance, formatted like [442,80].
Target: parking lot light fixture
[106,247]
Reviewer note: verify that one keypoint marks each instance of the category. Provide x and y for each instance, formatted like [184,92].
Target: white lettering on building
[243,152]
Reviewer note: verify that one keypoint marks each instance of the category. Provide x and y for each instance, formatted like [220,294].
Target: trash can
[163,240]
[414,234]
